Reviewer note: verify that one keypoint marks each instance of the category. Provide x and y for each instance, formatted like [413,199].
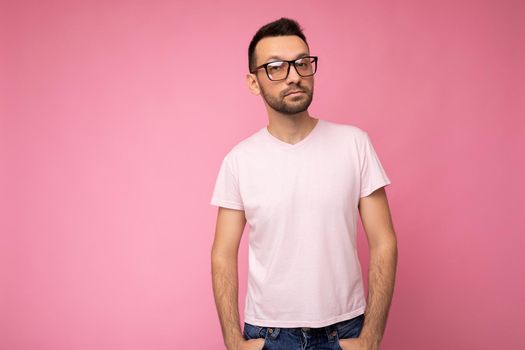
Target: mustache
[287,91]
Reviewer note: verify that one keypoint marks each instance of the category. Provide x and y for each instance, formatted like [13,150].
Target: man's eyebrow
[280,58]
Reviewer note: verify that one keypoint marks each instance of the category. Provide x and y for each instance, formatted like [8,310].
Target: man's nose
[293,76]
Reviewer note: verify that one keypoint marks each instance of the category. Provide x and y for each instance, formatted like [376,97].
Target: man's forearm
[381,278]
[226,290]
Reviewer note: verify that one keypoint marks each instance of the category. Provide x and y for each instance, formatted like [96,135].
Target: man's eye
[276,65]
[302,61]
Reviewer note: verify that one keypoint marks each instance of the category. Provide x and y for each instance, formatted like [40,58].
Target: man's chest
[291,184]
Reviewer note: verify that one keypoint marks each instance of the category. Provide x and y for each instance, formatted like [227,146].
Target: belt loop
[331,332]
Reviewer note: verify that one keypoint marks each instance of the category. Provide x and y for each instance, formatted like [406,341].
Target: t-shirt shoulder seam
[246,141]
[351,127]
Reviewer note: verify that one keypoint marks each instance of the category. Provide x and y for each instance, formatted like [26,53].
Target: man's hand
[356,344]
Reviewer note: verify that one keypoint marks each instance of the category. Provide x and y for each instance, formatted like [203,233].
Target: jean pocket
[350,328]
[254,332]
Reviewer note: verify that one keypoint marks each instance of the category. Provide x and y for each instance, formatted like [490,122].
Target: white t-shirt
[301,203]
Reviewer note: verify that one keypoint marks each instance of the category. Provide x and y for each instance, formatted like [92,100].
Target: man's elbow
[387,243]
[222,256]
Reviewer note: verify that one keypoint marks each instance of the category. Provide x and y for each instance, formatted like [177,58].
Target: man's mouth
[294,92]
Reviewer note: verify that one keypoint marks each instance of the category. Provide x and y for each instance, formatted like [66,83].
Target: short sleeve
[373,175]
[226,191]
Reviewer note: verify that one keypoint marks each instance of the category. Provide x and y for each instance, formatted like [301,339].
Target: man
[299,183]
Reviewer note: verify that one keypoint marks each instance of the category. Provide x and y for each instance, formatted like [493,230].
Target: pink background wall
[115,116]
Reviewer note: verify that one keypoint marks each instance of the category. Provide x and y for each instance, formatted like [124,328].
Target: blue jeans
[303,338]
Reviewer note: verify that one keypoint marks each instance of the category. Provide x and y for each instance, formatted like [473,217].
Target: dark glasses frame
[265,66]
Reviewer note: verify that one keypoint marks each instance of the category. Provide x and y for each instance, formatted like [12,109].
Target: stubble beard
[292,106]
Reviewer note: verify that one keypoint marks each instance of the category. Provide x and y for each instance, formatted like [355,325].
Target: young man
[300,183]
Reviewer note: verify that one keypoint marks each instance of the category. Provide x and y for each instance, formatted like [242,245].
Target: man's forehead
[287,47]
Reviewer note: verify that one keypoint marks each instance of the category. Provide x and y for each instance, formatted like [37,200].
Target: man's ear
[253,84]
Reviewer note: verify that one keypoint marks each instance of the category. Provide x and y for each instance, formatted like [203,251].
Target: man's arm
[382,243]
[228,233]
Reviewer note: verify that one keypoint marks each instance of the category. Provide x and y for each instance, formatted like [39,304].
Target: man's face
[276,93]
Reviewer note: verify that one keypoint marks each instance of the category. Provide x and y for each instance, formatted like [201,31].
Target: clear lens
[305,66]
[277,70]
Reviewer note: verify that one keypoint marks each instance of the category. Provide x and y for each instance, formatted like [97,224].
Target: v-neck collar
[288,146]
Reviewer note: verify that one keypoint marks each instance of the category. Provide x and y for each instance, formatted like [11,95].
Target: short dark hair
[282,26]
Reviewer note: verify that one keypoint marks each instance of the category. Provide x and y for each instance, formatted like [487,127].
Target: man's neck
[291,128]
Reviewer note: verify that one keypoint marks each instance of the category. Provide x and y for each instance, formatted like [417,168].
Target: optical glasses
[278,70]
